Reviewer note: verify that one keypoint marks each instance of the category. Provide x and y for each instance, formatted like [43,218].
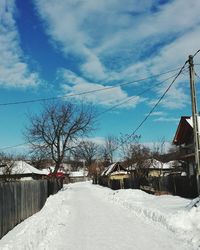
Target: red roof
[183,132]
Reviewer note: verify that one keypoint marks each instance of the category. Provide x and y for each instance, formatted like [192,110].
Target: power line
[133,97]
[196,53]
[15,146]
[157,103]
[105,111]
[87,92]
[143,121]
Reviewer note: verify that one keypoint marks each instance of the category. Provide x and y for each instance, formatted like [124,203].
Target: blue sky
[58,47]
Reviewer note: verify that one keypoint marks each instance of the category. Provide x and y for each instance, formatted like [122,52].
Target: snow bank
[48,228]
[171,212]
[38,230]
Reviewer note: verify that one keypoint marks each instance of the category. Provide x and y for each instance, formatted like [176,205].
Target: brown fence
[21,199]
[176,185]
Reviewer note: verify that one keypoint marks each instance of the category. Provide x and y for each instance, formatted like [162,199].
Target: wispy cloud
[158,113]
[73,84]
[166,119]
[14,71]
[123,40]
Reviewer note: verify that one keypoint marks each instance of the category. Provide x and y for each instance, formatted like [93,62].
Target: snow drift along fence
[21,199]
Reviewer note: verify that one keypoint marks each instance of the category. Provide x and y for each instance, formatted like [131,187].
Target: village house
[114,176]
[158,168]
[184,140]
[78,176]
[20,170]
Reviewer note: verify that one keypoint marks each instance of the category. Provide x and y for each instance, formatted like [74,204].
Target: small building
[160,169]
[184,140]
[20,170]
[78,176]
[115,176]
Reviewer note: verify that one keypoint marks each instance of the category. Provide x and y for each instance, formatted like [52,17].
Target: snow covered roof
[184,130]
[160,165]
[78,173]
[190,121]
[154,164]
[115,167]
[22,167]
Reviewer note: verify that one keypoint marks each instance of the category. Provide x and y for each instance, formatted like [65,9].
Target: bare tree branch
[57,128]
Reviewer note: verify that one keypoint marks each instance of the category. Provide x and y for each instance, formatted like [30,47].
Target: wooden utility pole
[195,121]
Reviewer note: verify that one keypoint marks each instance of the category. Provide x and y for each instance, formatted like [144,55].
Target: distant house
[21,170]
[158,168]
[78,176]
[184,139]
[114,173]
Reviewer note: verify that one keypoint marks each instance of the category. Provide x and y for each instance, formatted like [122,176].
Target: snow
[22,167]
[108,169]
[80,173]
[160,165]
[121,172]
[83,216]
[190,121]
[155,164]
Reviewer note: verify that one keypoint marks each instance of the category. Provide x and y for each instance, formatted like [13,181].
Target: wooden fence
[21,199]
[173,184]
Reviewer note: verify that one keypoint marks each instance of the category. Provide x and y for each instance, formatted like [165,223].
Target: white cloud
[125,40]
[157,113]
[167,119]
[73,84]
[13,69]
[98,140]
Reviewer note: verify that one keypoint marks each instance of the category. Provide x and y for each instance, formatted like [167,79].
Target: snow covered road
[81,217]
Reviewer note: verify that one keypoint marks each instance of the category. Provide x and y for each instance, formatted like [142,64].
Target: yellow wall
[118,177]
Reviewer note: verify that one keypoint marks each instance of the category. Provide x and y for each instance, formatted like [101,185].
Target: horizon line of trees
[59,134]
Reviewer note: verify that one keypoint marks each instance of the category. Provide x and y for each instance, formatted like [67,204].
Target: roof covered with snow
[190,121]
[160,165]
[80,173]
[115,167]
[22,167]
[154,164]
[184,130]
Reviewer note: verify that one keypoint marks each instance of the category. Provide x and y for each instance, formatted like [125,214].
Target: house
[114,174]
[20,170]
[184,140]
[158,168]
[77,176]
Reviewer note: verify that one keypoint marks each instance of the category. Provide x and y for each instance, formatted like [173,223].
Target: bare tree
[86,150]
[110,147]
[135,154]
[57,128]
[6,165]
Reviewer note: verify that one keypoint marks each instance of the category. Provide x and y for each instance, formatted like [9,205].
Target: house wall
[155,173]
[119,177]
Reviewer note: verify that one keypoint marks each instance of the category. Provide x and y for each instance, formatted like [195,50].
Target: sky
[53,48]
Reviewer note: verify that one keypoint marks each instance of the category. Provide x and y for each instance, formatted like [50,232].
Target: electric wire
[105,111]
[156,104]
[130,98]
[141,123]
[87,92]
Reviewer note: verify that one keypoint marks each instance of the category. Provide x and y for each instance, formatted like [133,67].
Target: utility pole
[195,121]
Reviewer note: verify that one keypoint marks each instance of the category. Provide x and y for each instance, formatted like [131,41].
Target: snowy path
[98,224]
[81,218]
